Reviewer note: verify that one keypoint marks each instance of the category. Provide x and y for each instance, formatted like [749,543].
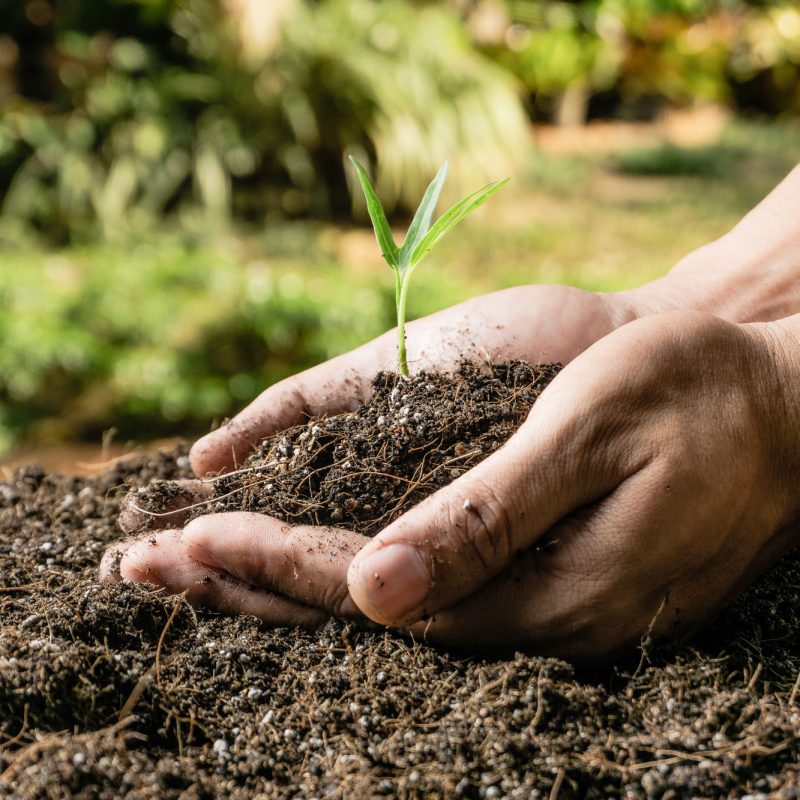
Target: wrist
[750,274]
[778,390]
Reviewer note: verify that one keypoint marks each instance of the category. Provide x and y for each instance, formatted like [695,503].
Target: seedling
[420,239]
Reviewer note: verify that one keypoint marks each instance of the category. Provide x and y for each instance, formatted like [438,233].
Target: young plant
[420,239]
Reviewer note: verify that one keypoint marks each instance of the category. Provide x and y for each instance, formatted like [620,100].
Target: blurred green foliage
[140,134]
[161,334]
[627,57]
[211,121]
[116,113]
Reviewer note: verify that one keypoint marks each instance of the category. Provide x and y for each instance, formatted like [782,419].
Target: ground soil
[114,691]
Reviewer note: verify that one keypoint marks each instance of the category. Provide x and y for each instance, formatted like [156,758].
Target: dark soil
[117,691]
[362,470]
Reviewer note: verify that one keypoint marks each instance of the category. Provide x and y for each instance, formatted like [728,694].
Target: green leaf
[453,216]
[421,223]
[383,234]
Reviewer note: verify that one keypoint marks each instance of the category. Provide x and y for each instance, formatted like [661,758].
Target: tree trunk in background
[9,54]
[572,106]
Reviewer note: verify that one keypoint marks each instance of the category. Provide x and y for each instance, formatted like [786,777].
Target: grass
[156,337]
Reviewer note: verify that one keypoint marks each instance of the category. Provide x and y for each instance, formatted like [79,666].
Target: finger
[333,387]
[160,560]
[561,459]
[109,564]
[162,504]
[592,587]
[157,559]
[305,563]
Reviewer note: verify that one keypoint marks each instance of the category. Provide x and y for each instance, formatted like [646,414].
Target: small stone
[79,759]
[220,748]
[28,621]
[653,783]
[462,788]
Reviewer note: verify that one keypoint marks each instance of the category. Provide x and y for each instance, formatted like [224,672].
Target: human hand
[745,275]
[749,274]
[652,480]
[533,323]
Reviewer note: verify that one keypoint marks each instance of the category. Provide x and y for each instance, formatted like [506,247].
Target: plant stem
[400,297]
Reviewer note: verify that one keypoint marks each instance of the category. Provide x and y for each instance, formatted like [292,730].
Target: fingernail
[395,581]
[193,535]
[201,554]
[135,564]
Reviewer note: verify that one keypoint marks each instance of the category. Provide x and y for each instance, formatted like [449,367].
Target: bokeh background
[178,227]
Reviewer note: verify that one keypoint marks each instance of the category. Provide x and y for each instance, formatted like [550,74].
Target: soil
[362,470]
[111,691]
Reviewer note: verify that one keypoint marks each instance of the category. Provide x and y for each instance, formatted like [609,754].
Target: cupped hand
[534,323]
[652,480]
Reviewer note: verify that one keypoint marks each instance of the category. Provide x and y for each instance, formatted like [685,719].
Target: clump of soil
[119,691]
[363,469]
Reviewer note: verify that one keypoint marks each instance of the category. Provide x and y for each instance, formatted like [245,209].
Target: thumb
[329,388]
[458,539]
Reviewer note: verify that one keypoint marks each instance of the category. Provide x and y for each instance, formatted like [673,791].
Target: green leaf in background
[382,232]
[421,223]
[453,216]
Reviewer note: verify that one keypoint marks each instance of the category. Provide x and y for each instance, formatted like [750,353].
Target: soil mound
[362,470]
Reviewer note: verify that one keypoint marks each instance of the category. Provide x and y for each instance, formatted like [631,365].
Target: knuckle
[287,568]
[336,600]
[481,528]
[301,582]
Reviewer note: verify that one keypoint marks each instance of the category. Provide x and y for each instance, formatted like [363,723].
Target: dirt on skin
[116,691]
